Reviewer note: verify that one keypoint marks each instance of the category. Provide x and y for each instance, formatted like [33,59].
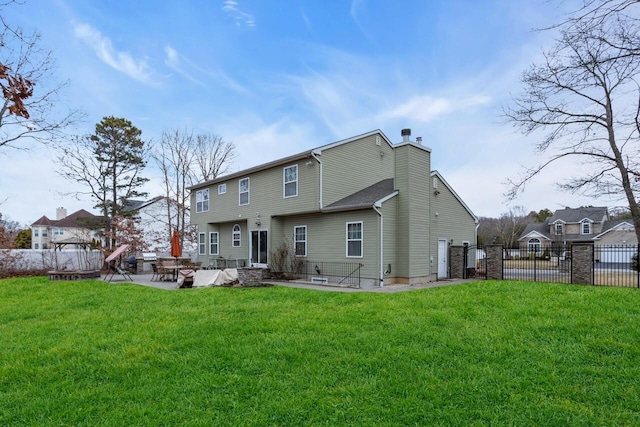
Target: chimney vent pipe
[406,134]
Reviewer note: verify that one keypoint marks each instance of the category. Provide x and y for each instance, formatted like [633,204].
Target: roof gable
[444,181]
[576,215]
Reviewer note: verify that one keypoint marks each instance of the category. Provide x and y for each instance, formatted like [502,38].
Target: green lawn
[484,353]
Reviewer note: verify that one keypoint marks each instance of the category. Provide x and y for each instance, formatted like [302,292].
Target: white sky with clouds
[283,76]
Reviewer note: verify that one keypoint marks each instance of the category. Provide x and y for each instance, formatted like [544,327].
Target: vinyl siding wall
[350,167]
[413,170]
[452,222]
[327,241]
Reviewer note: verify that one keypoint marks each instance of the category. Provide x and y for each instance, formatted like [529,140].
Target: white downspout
[375,208]
[313,154]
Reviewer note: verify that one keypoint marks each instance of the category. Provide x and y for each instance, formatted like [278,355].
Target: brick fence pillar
[456,262]
[582,263]
[494,262]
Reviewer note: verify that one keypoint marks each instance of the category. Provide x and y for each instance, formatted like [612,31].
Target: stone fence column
[494,262]
[582,263]
[456,262]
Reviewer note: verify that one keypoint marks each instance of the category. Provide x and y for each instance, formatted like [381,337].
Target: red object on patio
[176,250]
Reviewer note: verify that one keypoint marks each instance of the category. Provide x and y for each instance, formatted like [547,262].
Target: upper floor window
[36,232]
[354,239]
[202,200]
[213,243]
[58,231]
[222,188]
[291,181]
[586,227]
[44,232]
[300,240]
[243,190]
[235,236]
[559,228]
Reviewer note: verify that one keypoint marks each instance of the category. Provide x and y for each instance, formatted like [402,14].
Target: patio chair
[156,273]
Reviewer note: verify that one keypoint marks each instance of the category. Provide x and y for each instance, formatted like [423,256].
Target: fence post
[493,254]
[456,262]
[582,269]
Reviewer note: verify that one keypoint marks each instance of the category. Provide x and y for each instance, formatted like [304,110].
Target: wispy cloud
[426,108]
[240,17]
[118,60]
[188,69]
[174,61]
[356,7]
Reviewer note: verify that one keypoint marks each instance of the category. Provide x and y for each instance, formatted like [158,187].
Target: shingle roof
[596,214]
[81,218]
[364,198]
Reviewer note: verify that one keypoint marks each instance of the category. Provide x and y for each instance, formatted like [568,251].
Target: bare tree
[586,96]
[511,224]
[175,158]
[213,157]
[31,106]
[185,159]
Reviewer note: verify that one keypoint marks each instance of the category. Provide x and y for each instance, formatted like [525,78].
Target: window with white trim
[354,239]
[559,228]
[243,191]
[222,188]
[58,231]
[44,232]
[300,240]
[290,175]
[35,232]
[534,245]
[213,243]
[586,227]
[202,244]
[36,246]
[235,236]
[202,200]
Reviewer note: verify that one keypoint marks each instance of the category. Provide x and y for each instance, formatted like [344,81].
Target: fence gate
[536,264]
[475,262]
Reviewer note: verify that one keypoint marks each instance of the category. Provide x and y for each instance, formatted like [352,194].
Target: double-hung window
[300,240]
[559,228]
[202,200]
[35,232]
[243,190]
[235,236]
[222,188]
[213,243]
[586,227]
[202,244]
[291,181]
[354,239]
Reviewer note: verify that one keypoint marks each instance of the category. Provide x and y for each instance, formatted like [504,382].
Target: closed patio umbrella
[176,250]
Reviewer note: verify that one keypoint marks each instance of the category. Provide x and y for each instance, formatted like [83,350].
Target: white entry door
[442,259]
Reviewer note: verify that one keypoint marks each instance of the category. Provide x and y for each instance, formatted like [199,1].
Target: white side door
[442,259]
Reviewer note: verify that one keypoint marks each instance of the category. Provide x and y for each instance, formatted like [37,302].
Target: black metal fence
[475,262]
[613,265]
[329,273]
[553,264]
[616,265]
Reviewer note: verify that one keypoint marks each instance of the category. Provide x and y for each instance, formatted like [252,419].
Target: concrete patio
[145,280]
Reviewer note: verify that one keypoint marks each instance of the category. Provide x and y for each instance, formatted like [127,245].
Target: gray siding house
[360,200]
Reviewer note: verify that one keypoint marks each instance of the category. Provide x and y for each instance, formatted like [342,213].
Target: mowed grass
[486,353]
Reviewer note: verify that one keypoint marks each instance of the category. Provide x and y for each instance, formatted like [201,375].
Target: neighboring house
[151,217]
[74,231]
[360,200]
[581,224]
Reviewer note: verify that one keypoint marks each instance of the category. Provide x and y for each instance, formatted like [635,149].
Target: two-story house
[360,200]
[79,229]
[580,224]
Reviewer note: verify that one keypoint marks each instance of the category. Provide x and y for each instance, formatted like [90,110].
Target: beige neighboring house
[363,202]
[74,231]
[582,224]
